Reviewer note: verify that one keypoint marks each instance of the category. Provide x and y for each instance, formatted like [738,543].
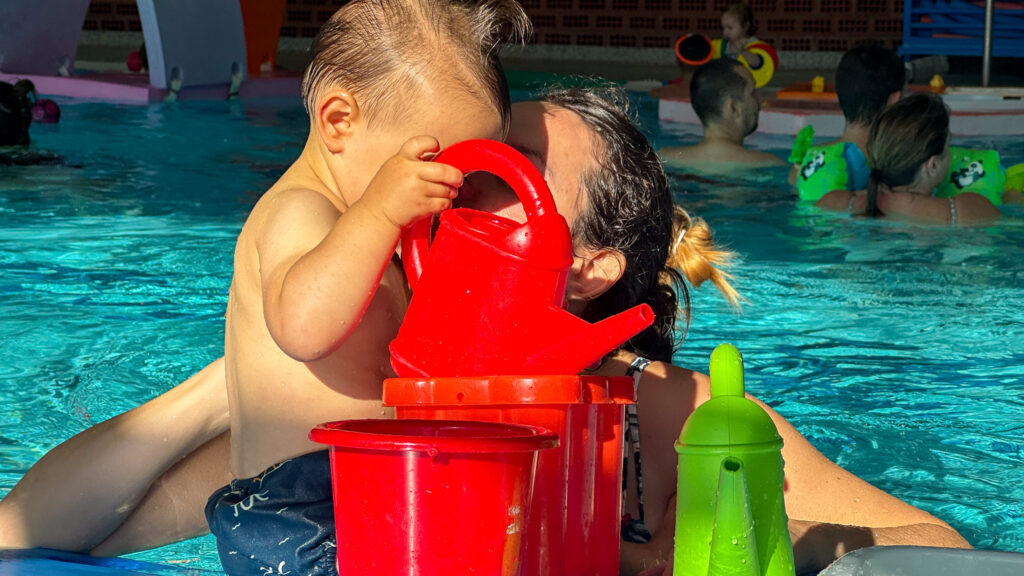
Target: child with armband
[737,43]
[316,293]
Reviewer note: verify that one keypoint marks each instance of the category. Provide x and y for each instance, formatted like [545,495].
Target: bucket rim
[509,390]
[482,437]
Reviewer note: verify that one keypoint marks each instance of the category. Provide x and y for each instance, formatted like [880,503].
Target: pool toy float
[205,57]
[698,49]
[817,90]
[977,171]
[973,112]
[730,513]
[824,169]
[44,562]
[1015,177]
[45,111]
[923,561]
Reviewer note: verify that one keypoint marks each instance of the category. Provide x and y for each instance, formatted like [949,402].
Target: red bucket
[425,498]
[575,515]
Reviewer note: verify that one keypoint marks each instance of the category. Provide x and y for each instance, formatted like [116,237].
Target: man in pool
[868,79]
[723,96]
[15,115]
[140,481]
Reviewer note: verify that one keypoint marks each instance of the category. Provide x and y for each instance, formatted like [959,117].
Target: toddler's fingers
[435,205]
[418,146]
[437,190]
[441,173]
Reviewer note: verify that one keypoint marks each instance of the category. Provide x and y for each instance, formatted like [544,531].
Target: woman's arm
[174,508]
[836,200]
[83,490]
[831,511]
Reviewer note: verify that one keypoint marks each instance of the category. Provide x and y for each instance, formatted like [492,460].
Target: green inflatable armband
[1015,178]
[822,170]
[730,513]
[801,144]
[977,171]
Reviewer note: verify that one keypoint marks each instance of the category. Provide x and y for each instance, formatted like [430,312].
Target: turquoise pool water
[896,349]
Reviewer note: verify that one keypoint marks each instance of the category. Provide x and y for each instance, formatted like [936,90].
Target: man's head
[398,56]
[608,182]
[868,79]
[15,115]
[722,93]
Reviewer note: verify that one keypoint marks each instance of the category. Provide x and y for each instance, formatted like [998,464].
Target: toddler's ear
[336,116]
[593,272]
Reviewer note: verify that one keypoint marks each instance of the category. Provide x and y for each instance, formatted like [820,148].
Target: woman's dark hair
[902,139]
[629,208]
[742,12]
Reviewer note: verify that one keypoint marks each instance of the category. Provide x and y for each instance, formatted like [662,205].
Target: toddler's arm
[320,268]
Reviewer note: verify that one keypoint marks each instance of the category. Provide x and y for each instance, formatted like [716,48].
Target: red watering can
[489,293]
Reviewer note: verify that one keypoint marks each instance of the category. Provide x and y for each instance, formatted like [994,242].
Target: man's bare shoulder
[714,159]
[762,158]
[681,155]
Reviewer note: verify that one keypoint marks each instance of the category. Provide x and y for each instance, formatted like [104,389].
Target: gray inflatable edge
[924,561]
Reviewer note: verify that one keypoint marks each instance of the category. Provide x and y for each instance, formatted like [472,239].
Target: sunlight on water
[896,349]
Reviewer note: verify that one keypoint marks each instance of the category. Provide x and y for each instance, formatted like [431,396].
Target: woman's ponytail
[695,254]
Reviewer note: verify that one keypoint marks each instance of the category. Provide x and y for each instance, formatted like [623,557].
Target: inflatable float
[227,53]
[696,50]
[42,562]
[973,112]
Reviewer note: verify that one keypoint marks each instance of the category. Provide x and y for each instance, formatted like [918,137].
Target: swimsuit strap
[952,211]
[632,441]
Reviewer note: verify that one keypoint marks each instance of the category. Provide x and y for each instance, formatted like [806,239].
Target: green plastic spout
[733,542]
[730,509]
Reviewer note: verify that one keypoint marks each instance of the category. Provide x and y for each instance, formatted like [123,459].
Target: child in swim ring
[738,29]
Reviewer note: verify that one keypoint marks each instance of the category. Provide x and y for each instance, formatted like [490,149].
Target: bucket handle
[478,155]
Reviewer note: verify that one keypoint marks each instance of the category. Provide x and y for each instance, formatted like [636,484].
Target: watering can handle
[491,156]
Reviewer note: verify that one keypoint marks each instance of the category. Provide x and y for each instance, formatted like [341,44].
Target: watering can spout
[580,344]
[733,542]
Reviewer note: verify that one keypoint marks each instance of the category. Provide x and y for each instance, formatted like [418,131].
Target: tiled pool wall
[789,25]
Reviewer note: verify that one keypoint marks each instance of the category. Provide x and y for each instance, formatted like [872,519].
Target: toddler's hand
[408,186]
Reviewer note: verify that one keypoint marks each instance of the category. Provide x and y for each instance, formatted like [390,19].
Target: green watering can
[730,514]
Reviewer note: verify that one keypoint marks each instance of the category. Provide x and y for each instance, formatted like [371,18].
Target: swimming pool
[897,350]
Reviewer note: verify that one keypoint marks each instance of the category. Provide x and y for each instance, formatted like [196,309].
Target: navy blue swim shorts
[280,522]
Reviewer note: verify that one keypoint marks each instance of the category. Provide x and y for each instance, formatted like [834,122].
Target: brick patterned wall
[790,25]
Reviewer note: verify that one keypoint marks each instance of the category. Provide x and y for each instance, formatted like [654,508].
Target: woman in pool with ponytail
[908,151]
[141,480]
